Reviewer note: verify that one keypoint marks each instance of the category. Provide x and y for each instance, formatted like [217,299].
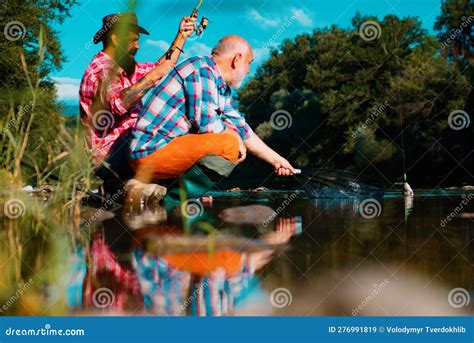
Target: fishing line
[200,29]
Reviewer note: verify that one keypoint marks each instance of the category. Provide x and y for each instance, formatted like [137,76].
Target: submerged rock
[253,214]
[234,190]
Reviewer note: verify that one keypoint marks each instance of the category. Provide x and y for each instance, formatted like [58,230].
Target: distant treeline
[357,98]
[351,99]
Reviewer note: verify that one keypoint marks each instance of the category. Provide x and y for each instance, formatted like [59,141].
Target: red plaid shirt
[102,112]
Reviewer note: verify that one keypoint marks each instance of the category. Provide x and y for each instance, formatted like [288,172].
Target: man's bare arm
[258,148]
[132,95]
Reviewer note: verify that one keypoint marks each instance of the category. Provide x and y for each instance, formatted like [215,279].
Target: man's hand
[186,26]
[258,148]
[242,151]
[283,167]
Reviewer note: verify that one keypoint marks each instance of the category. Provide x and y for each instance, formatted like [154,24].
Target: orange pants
[182,153]
[203,263]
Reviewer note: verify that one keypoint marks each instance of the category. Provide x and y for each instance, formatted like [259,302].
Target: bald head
[233,55]
[230,46]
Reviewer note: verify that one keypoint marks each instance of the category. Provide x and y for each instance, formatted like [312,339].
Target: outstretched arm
[258,148]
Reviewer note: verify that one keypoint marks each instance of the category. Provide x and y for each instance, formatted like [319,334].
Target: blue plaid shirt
[192,98]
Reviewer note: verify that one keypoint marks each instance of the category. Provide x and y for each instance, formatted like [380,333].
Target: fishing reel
[202,26]
[199,30]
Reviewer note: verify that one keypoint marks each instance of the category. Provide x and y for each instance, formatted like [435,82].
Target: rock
[28,188]
[468,188]
[234,190]
[253,214]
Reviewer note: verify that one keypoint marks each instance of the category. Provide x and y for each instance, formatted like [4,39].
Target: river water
[250,253]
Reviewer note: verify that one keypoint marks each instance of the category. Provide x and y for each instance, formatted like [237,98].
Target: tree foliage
[30,52]
[350,99]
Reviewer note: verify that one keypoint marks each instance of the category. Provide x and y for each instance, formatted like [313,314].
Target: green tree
[349,91]
[455,25]
[28,107]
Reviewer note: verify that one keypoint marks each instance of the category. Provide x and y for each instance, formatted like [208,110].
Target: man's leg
[116,170]
[182,153]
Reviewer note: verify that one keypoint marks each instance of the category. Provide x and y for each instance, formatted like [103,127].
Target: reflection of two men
[120,274]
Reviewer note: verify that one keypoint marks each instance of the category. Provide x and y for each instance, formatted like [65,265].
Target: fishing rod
[199,31]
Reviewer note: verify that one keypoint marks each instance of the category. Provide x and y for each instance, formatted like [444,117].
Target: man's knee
[230,147]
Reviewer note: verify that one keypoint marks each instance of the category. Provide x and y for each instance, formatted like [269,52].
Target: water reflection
[231,257]
[143,262]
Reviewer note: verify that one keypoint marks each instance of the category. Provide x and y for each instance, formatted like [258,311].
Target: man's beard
[236,84]
[126,60]
[237,81]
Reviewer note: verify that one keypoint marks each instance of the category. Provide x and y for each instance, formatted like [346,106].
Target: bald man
[190,115]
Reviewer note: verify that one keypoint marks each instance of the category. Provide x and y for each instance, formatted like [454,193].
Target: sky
[265,24]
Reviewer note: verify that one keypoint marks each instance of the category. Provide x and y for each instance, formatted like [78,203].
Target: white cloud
[192,48]
[259,54]
[197,48]
[261,19]
[67,88]
[161,44]
[302,17]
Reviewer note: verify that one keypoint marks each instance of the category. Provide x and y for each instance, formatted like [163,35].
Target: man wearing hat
[113,86]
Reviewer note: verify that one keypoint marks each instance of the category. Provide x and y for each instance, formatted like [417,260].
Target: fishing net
[325,183]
